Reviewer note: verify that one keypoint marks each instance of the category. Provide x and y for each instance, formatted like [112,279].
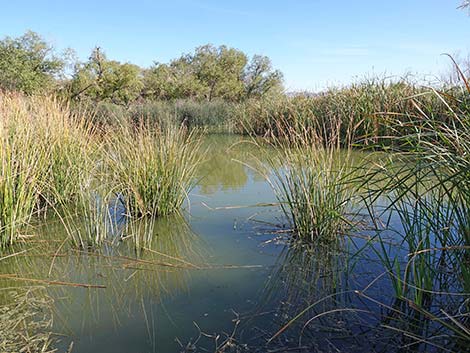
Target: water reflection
[160,276]
[138,276]
[225,167]
[307,281]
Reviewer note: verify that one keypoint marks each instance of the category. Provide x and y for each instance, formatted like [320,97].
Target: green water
[200,267]
[189,277]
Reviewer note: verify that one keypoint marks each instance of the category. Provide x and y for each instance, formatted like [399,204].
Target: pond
[221,269]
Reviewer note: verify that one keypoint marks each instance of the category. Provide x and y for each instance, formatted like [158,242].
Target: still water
[220,269]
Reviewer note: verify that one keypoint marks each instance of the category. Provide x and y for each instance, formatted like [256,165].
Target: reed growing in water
[153,168]
[427,188]
[360,113]
[422,237]
[51,157]
[312,177]
[23,163]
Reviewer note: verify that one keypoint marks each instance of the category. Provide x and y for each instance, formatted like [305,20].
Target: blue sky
[315,43]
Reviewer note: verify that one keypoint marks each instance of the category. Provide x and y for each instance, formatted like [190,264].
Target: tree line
[29,64]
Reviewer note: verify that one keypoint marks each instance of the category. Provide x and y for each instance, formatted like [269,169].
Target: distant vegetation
[219,88]
[29,64]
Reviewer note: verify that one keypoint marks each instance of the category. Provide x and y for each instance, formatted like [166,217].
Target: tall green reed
[153,168]
[23,163]
[362,108]
[428,191]
[313,182]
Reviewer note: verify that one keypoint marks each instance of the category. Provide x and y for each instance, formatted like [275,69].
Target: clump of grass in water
[45,153]
[69,139]
[153,168]
[50,158]
[312,180]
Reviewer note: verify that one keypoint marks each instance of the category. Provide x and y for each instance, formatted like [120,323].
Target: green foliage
[360,113]
[106,80]
[53,158]
[260,78]
[173,81]
[216,115]
[426,187]
[221,70]
[212,72]
[28,64]
[23,163]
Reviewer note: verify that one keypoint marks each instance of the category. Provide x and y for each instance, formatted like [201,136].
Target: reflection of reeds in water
[304,272]
[312,302]
[221,168]
[404,326]
[308,280]
[421,250]
[154,262]
[25,320]
[95,218]
[146,261]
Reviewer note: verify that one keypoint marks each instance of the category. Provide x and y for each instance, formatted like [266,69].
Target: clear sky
[315,43]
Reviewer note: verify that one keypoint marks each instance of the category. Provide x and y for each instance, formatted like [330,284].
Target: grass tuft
[153,168]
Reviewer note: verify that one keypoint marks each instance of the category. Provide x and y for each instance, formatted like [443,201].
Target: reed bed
[153,168]
[428,192]
[23,166]
[47,154]
[359,113]
[215,116]
[54,158]
[74,152]
[418,198]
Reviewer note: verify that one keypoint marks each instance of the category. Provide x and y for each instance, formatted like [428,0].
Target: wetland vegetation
[194,206]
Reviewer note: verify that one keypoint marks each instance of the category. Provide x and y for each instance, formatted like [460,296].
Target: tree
[157,82]
[173,81]
[102,79]
[207,73]
[28,64]
[260,78]
[221,70]
[210,72]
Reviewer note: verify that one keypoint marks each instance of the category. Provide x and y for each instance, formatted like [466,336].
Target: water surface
[224,258]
